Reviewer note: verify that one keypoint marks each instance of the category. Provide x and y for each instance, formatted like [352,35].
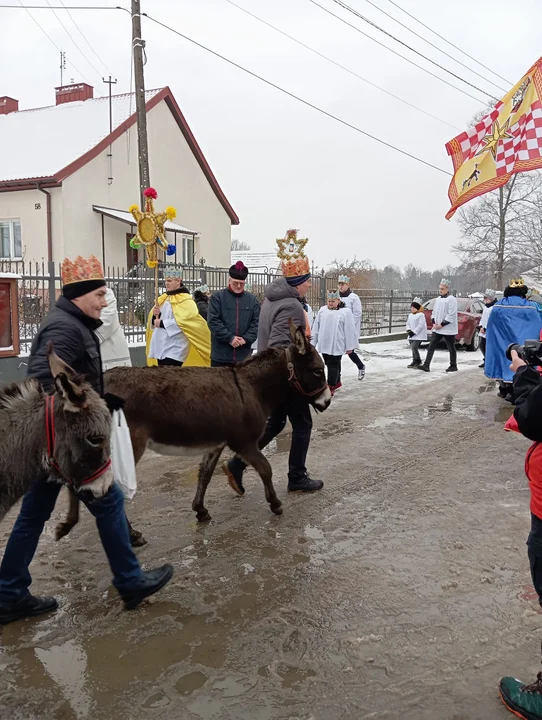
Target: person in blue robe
[514,319]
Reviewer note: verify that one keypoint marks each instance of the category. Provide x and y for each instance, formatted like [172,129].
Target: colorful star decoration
[492,139]
[150,227]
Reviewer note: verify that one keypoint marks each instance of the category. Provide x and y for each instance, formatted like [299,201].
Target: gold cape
[187,317]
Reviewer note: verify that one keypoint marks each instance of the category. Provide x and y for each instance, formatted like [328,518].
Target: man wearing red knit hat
[233,320]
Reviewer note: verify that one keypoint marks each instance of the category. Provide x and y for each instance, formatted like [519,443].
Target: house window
[11,247]
[188,249]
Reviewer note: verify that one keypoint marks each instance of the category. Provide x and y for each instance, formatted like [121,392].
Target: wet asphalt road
[400,591]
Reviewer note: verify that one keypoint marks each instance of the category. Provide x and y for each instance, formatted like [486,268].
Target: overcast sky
[282,164]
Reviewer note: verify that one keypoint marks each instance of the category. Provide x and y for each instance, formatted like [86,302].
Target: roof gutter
[49,223]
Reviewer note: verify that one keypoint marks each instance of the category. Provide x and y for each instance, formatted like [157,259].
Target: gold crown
[516,282]
[81,269]
[291,253]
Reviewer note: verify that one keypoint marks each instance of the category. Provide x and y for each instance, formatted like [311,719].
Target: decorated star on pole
[150,228]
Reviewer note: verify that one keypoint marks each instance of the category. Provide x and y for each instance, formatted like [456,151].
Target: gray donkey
[64,436]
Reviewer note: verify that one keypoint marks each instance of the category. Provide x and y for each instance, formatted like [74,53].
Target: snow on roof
[9,276]
[38,143]
[127,217]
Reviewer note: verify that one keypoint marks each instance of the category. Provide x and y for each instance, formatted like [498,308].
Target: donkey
[186,411]
[64,436]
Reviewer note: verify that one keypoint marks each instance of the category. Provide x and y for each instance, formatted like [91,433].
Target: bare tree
[362,273]
[501,230]
[239,245]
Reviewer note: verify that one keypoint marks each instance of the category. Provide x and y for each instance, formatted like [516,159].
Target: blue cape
[512,320]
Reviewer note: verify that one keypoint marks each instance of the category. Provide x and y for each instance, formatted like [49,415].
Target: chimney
[73,93]
[8,105]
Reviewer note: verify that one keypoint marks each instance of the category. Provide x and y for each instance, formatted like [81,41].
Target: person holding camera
[525,701]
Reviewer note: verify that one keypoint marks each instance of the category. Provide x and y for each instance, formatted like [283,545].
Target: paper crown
[490,293]
[173,273]
[445,281]
[418,300]
[516,282]
[332,295]
[81,269]
[344,279]
[291,253]
[202,289]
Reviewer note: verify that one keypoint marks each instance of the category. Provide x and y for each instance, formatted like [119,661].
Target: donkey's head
[309,377]
[82,429]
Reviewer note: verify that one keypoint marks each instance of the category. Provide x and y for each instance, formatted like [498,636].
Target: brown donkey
[180,411]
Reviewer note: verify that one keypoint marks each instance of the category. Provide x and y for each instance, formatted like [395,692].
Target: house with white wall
[69,173]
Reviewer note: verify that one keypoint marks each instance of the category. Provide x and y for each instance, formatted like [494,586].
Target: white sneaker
[361,373]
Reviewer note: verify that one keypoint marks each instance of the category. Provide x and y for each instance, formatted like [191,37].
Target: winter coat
[282,303]
[353,303]
[202,301]
[231,315]
[417,323]
[113,345]
[74,339]
[334,331]
[528,413]
[445,312]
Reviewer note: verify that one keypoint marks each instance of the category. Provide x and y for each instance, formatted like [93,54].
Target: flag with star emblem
[507,140]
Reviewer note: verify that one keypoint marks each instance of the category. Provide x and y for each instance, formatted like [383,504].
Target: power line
[84,36]
[420,67]
[49,37]
[73,41]
[434,46]
[342,67]
[409,47]
[448,41]
[296,97]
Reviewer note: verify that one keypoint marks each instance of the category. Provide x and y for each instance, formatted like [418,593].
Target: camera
[530,352]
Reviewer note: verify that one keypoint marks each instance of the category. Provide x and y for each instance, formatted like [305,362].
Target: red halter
[294,382]
[51,435]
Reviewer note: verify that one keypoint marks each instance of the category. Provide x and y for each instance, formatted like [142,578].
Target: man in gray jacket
[284,300]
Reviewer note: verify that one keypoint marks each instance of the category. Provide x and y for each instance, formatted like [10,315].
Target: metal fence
[39,283]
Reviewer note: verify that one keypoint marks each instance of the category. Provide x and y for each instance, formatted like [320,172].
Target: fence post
[322,290]
[52,284]
[391,310]
[203,275]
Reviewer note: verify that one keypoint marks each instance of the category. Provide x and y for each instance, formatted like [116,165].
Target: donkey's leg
[136,537]
[206,470]
[72,518]
[139,440]
[254,456]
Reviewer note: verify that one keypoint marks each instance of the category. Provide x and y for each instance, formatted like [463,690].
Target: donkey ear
[74,396]
[56,364]
[292,327]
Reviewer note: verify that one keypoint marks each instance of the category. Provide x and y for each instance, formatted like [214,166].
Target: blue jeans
[38,504]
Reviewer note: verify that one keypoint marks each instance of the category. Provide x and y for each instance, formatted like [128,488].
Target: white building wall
[21,205]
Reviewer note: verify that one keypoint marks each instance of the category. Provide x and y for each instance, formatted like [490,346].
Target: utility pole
[62,66]
[110,82]
[138,46]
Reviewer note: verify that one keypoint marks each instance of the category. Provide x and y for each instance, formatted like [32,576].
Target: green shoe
[525,701]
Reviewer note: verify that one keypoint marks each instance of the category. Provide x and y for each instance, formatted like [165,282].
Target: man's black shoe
[452,368]
[152,581]
[235,478]
[413,365]
[29,606]
[482,365]
[423,367]
[305,485]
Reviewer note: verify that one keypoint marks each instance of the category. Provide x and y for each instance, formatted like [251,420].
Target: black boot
[151,582]
[29,606]
[414,365]
[235,476]
[423,367]
[452,368]
[305,484]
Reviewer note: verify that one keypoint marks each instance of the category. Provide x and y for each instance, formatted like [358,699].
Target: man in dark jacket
[233,320]
[284,301]
[70,327]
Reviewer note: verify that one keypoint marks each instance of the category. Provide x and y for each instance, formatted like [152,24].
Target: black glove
[410,333]
[113,402]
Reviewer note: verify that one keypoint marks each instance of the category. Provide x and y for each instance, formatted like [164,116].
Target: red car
[469,314]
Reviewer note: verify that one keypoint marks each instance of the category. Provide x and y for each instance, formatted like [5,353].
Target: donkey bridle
[51,436]
[294,382]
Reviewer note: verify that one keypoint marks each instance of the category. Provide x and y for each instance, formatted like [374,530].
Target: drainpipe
[49,225]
